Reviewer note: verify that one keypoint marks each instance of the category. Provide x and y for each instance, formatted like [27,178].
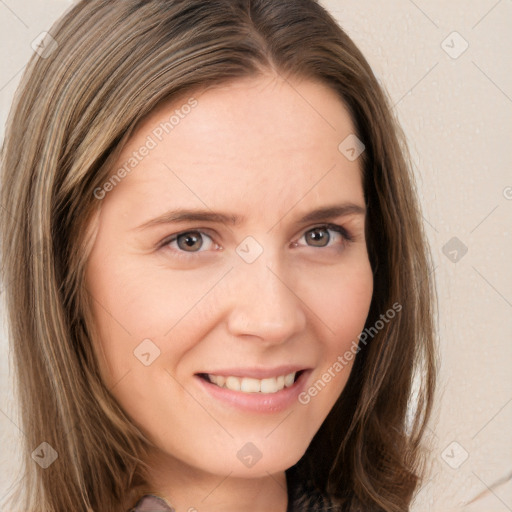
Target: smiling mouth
[250,385]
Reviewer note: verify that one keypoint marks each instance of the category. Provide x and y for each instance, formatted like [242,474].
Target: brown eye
[190,241]
[328,235]
[318,237]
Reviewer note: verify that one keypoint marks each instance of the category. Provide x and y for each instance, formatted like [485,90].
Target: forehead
[249,140]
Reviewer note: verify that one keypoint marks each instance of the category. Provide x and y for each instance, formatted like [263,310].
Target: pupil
[191,240]
[319,237]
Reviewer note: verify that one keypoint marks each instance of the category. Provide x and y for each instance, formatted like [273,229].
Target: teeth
[233,383]
[248,385]
[288,379]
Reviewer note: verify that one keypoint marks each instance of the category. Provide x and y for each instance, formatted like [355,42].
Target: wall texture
[446,70]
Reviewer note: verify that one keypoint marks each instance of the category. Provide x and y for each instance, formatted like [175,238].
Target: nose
[264,303]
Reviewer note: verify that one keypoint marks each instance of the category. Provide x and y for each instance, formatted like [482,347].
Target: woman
[217,281]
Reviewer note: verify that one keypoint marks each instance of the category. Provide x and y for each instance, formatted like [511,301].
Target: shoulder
[302,497]
[150,503]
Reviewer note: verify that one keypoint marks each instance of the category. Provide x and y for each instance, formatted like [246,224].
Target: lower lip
[258,402]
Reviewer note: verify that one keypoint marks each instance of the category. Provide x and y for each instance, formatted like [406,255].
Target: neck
[189,489]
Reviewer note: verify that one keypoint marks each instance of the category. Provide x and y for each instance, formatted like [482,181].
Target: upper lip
[257,373]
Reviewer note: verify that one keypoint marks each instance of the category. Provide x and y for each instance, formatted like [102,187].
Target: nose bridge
[263,303]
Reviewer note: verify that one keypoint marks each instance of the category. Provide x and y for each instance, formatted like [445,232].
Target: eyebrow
[184,215]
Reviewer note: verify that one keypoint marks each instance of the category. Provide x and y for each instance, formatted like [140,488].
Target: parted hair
[110,64]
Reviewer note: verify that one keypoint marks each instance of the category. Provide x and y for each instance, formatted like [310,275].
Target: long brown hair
[109,64]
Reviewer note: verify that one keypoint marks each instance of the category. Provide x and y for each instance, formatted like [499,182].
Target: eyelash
[347,238]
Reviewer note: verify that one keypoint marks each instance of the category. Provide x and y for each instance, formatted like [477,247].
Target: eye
[190,241]
[196,241]
[322,236]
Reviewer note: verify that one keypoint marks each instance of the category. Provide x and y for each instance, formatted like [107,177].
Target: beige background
[455,104]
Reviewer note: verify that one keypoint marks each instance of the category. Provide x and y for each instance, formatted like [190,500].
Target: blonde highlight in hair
[73,112]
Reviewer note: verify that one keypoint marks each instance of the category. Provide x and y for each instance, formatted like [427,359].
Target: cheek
[146,299]
[137,311]
[341,300]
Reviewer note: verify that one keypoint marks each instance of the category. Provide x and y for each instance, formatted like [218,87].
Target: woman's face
[221,250]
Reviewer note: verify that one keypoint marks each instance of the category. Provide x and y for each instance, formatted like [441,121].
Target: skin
[265,149]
